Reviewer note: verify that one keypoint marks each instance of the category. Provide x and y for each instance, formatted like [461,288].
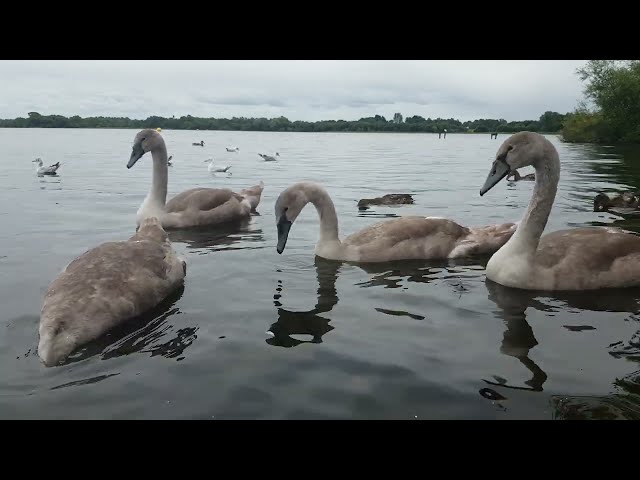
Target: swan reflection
[308,323]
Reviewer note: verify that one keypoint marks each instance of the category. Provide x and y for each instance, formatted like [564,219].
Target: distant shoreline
[548,122]
[267,131]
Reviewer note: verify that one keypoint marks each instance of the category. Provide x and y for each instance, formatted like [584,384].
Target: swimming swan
[574,259]
[106,286]
[191,208]
[398,239]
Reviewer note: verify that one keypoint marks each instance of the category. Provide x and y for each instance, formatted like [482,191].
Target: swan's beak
[136,153]
[284,226]
[499,170]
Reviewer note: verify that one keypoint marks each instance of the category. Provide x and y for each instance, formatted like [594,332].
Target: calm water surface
[408,340]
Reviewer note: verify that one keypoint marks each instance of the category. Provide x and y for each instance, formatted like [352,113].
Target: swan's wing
[596,249]
[203,199]
[587,258]
[407,237]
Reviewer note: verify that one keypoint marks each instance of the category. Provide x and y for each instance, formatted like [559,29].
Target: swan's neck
[158,193]
[533,223]
[327,212]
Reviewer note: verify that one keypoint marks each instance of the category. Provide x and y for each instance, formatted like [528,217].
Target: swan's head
[288,206]
[56,342]
[601,202]
[146,140]
[519,150]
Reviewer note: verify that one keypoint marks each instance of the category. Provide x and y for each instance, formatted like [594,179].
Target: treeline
[612,88]
[549,122]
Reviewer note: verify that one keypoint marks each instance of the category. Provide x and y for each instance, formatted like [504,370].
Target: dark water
[409,340]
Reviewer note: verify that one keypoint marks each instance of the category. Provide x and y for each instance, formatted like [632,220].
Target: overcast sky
[299,90]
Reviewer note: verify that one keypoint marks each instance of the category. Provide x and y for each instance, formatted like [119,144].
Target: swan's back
[586,258]
[406,238]
[200,199]
[106,285]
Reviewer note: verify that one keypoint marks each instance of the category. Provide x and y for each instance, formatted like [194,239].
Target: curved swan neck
[160,179]
[528,233]
[327,212]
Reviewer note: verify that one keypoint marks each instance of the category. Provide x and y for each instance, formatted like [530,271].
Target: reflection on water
[231,236]
[153,332]
[455,273]
[307,323]
[50,182]
[86,381]
[629,350]
[400,313]
[624,405]
[518,338]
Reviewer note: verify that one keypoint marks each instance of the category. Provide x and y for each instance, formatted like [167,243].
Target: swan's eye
[285,209]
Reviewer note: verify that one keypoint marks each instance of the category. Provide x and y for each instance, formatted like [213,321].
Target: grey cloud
[299,90]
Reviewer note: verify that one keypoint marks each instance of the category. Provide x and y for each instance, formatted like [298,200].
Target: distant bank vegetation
[612,89]
[549,122]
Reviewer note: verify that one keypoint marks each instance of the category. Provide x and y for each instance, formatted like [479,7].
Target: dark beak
[499,170]
[136,154]
[284,226]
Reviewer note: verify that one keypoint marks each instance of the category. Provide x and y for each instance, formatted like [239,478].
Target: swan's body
[574,259]
[517,177]
[212,168]
[269,158]
[233,149]
[106,286]
[197,207]
[50,170]
[398,239]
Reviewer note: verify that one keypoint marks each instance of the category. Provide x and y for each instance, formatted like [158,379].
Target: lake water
[408,340]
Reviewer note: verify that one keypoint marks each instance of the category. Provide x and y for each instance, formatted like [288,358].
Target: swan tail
[252,195]
[490,238]
[483,240]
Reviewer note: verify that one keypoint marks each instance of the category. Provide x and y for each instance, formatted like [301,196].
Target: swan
[200,144]
[233,149]
[192,208]
[398,239]
[269,158]
[50,170]
[575,259]
[211,168]
[517,177]
[106,286]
